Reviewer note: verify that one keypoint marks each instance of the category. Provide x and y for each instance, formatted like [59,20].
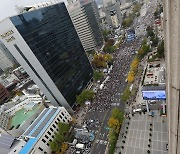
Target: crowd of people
[111,89]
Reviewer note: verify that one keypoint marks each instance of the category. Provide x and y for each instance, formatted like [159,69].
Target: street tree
[98,75]
[131,76]
[117,114]
[151,33]
[126,94]
[112,136]
[64,147]
[146,48]
[85,95]
[154,41]
[114,124]
[108,57]
[134,64]
[160,50]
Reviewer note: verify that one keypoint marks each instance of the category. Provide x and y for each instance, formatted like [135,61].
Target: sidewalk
[136,140]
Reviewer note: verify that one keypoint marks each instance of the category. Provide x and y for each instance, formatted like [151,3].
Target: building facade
[172,55]
[92,13]
[4,94]
[5,63]
[80,21]
[46,45]
[20,73]
[6,58]
[113,13]
[43,129]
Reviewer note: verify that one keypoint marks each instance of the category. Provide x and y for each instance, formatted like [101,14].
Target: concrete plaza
[137,137]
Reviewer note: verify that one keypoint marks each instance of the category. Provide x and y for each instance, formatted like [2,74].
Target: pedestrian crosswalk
[101,141]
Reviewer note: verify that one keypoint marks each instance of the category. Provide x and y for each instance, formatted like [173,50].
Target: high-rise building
[113,12]
[172,54]
[81,23]
[46,44]
[92,13]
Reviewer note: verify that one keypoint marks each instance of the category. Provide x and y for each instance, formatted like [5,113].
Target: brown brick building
[4,94]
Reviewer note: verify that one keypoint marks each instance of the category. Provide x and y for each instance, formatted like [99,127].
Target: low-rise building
[155,74]
[4,120]
[20,73]
[4,94]
[43,129]
[19,102]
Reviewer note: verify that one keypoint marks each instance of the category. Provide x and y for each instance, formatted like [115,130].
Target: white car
[137,110]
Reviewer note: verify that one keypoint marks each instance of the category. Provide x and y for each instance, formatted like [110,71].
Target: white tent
[80,146]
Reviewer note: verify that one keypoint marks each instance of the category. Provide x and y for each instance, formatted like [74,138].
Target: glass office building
[52,38]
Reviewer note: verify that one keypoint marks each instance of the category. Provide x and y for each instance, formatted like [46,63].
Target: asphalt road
[101,140]
[102,131]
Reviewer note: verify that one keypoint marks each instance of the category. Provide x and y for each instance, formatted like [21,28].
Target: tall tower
[172,54]
[46,44]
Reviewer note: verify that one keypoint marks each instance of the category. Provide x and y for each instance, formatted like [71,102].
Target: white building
[8,80]
[19,102]
[42,130]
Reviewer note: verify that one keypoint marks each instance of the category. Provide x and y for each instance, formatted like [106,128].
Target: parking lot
[138,134]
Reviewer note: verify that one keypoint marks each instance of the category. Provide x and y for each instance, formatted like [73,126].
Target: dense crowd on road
[110,91]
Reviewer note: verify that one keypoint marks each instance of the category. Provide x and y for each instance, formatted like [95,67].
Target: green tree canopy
[156,13]
[160,50]
[154,41]
[150,33]
[99,61]
[60,137]
[98,75]
[109,49]
[118,114]
[146,48]
[85,95]
[127,22]
[126,94]
[105,34]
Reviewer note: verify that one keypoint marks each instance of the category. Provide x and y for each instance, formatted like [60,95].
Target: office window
[40,148]
[49,133]
[64,120]
[50,140]
[53,136]
[46,136]
[51,129]
[60,116]
[54,126]
[56,122]
[44,140]
[62,113]
[54,41]
[47,144]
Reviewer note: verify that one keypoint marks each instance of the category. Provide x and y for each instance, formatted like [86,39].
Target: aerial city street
[89,77]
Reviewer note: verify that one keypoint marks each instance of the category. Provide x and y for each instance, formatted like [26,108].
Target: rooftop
[38,127]
[22,115]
